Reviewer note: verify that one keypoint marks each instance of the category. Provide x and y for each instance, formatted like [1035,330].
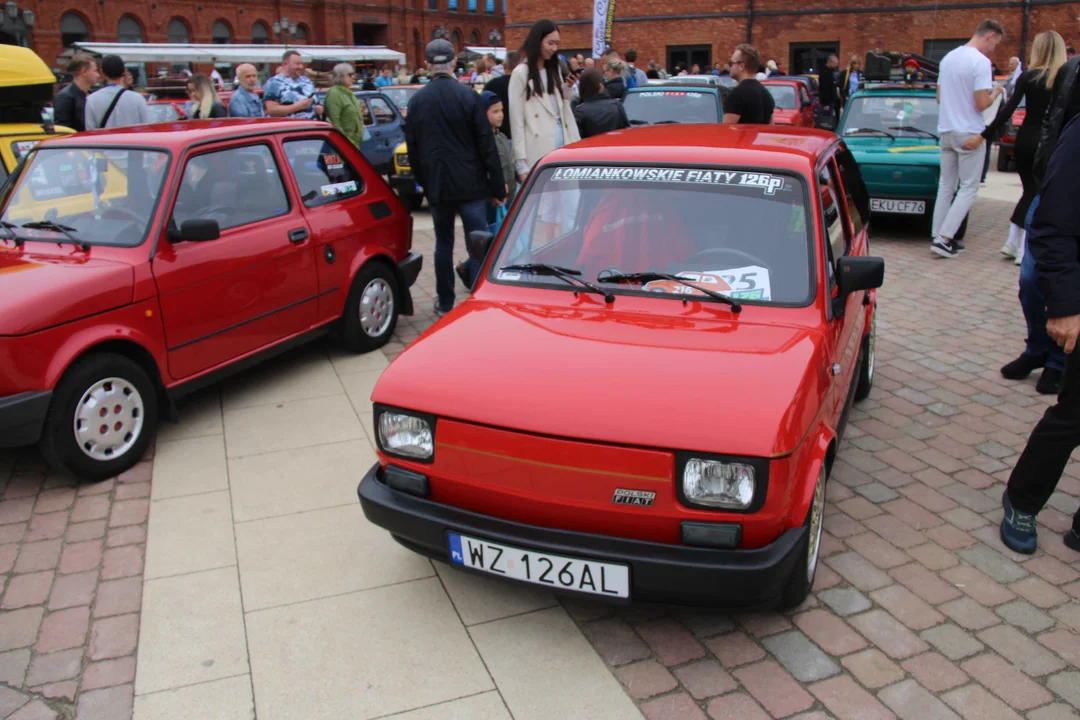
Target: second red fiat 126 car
[642,399]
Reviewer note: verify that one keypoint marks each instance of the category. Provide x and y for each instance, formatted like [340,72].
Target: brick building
[798,34]
[403,25]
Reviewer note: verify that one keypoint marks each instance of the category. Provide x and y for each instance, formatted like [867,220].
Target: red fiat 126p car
[643,396]
[140,263]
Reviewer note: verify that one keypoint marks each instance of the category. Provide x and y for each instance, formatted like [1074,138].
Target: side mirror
[478,244]
[854,274]
[198,230]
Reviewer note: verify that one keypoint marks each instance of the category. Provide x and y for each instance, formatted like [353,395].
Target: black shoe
[463,275]
[960,247]
[1072,540]
[944,248]
[439,312]
[1049,382]
[1022,366]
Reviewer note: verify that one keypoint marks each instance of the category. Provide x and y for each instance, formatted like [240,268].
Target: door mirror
[854,274]
[198,230]
[478,243]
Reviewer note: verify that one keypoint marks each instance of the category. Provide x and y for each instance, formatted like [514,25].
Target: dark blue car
[675,103]
[384,128]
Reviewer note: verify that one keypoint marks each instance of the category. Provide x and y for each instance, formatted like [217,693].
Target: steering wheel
[613,270]
[128,213]
[700,257]
[221,209]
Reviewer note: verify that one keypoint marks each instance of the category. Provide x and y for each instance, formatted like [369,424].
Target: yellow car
[26,85]
[403,182]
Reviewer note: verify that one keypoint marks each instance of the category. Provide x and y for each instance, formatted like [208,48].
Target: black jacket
[827,87]
[451,146]
[1064,105]
[217,110]
[600,114]
[1055,228]
[615,87]
[501,87]
[69,108]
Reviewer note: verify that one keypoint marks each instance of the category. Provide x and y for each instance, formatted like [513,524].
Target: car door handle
[298,235]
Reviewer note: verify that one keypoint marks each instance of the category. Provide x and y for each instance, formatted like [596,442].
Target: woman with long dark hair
[541,118]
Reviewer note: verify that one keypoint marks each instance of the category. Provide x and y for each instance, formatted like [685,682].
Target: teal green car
[892,132]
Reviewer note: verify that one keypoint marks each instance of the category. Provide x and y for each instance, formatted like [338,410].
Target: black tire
[866,367]
[137,400]
[382,307]
[412,203]
[1003,160]
[802,577]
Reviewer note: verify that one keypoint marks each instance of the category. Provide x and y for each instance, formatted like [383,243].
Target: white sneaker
[1009,250]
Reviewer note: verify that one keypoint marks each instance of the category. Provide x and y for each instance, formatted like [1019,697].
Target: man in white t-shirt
[965,89]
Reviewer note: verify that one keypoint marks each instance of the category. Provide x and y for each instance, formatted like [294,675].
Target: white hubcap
[376,307]
[817,515]
[108,419]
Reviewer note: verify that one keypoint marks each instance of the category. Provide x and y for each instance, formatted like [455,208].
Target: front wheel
[802,580]
[371,311]
[102,417]
[866,370]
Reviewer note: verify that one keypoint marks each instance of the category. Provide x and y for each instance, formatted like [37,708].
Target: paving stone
[858,571]
[128,535]
[736,706]
[63,690]
[800,657]
[80,557]
[34,710]
[114,637]
[878,551]
[46,527]
[876,492]
[646,679]
[1005,681]
[11,700]
[616,641]
[705,679]
[1065,643]
[93,507]
[1052,570]
[1067,685]
[129,512]
[705,624]
[953,642]
[898,532]
[107,703]
[670,641]
[829,631]
[888,634]
[1025,615]
[993,563]
[761,624]
[871,668]
[72,590]
[13,665]
[19,628]
[969,614]
[122,562]
[63,629]
[733,649]
[847,701]
[844,601]
[34,557]
[28,589]
[679,706]
[906,607]
[777,691]
[977,585]
[911,701]
[933,557]
[1069,615]
[1058,711]
[108,673]
[975,703]
[925,584]
[1022,651]
[81,532]
[116,597]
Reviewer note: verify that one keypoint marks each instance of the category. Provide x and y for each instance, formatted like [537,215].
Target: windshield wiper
[10,227]
[666,122]
[852,131]
[912,128]
[566,274]
[65,230]
[645,277]
[636,121]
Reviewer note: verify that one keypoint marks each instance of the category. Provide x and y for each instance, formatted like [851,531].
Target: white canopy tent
[232,54]
[498,52]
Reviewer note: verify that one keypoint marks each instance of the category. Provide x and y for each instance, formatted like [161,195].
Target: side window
[366,112]
[855,193]
[832,215]
[381,109]
[804,97]
[322,172]
[236,187]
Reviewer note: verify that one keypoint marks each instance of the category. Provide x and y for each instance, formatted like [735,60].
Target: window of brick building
[688,56]
[811,56]
[472,5]
[937,49]
[432,4]
[73,29]
[451,5]
[177,31]
[301,34]
[489,6]
[260,34]
[220,34]
[128,30]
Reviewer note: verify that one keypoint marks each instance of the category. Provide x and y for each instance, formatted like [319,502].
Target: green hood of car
[900,168]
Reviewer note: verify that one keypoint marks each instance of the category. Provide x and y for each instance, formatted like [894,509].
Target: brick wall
[773,33]
[409,24]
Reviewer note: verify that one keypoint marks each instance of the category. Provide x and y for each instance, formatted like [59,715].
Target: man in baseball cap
[454,158]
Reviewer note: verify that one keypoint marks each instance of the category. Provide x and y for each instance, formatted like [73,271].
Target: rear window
[656,107]
[784,96]
[162,112]
[743,234]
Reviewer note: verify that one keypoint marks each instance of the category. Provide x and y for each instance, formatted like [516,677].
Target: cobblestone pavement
[918,610]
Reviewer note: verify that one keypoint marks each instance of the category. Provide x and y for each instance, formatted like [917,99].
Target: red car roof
[708,144]
[169,135]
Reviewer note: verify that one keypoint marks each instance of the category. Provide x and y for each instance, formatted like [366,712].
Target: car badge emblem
[641,498]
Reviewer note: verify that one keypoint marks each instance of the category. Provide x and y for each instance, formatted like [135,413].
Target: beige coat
[532,122]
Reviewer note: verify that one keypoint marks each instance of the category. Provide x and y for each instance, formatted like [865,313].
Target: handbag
[500,215]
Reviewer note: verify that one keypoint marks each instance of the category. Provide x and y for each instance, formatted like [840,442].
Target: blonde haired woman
[850,78]
[205,102]
[1035,84]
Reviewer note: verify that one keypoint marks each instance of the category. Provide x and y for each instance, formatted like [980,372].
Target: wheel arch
[138,354]
[404,298]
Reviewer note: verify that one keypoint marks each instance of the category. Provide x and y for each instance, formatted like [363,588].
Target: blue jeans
[473,217]
[1034,305]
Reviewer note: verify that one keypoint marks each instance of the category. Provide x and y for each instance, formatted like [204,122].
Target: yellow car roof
[9,129]
[21,66]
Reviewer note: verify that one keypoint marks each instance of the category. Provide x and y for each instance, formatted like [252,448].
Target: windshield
[662,106]
[103,196]
[738,233]
[889,113]
[399,96]
[162,112]
[784,95]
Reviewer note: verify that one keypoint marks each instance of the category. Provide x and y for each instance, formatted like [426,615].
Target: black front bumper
[22,416]
[404,185]
[659,573]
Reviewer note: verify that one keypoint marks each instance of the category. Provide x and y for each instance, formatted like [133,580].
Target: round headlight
[406,435]
[718,484]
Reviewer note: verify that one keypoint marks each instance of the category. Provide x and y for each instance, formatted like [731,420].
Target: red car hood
[40,291]
[784,117]
[666,381]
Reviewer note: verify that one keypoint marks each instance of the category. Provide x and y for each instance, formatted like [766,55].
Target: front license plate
[899,207]
[588,576]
